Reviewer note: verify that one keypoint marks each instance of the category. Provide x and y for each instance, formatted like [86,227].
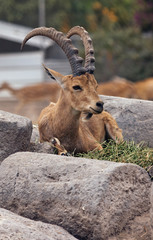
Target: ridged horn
[65,43]
[87,42]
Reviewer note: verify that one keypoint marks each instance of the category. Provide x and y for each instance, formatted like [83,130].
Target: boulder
[15,227]
[91,199]
[151,211]
[36,146]
[134,117]
[15,133]
[136,229]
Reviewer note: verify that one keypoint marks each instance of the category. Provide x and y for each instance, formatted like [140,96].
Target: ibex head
[80,87]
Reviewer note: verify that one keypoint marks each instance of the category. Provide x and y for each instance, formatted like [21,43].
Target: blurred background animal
[119,87]
[144,89]
[33,93]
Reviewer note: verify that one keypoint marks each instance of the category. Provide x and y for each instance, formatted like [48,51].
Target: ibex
[144,89]
[124,88]
[36,92]
[118,87]
[77,120]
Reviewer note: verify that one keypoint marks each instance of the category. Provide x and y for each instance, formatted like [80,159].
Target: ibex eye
[77,87]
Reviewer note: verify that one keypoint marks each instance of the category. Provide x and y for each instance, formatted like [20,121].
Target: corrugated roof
[17,33]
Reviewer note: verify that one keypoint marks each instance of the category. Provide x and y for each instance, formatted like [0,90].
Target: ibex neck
[67,118]
[65,109]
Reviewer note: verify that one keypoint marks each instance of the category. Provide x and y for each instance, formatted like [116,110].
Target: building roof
[17,33]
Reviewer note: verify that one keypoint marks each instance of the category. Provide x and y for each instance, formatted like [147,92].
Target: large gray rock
[15,227]
[134,116]
[91,199]
[15,134]
[151,211]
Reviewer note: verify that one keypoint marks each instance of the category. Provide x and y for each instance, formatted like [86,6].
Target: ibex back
[77,120]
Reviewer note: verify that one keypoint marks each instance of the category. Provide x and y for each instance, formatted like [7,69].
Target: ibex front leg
[112,129]
[57,145]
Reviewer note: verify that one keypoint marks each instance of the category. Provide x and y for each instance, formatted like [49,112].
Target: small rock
[15,134]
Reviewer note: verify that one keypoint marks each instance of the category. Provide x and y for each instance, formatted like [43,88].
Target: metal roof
[17,33]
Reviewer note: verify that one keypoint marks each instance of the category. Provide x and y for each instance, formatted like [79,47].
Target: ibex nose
[100,105]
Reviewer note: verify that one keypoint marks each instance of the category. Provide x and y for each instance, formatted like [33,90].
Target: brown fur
[144,89]
[65,120]
[123,88]
[119,87]
[36,92]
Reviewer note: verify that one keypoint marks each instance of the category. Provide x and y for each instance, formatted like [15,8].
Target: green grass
[126,152]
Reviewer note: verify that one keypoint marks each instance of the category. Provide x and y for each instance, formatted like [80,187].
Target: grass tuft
[125,152]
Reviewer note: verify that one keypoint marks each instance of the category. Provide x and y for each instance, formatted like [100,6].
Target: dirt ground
[30,110]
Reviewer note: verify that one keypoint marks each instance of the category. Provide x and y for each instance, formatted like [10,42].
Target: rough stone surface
[136,229]
[35,134]
[14,227]
[36,146]
[151,212]
[134,116]
[15,133]
[90,199]
[41,148]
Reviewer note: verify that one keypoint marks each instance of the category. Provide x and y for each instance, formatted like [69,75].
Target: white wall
[21,69]
[25,68]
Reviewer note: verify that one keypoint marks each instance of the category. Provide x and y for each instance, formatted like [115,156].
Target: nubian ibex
[119,87]
[124,88]
[77,120]
[144,89]
[32,93]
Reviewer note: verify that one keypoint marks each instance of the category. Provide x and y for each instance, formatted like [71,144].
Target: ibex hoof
[57,145]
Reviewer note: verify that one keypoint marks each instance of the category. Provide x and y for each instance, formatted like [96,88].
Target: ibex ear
[54,75]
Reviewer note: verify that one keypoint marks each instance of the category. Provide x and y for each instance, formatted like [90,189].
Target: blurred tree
[116,45]
[144,15]
[104,16]
[110,12]
[125,11]
[92,14]
[123,52]
[71,13]
[19,11]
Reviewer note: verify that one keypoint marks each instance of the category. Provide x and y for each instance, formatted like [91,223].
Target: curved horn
[65,43]
[87,42]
